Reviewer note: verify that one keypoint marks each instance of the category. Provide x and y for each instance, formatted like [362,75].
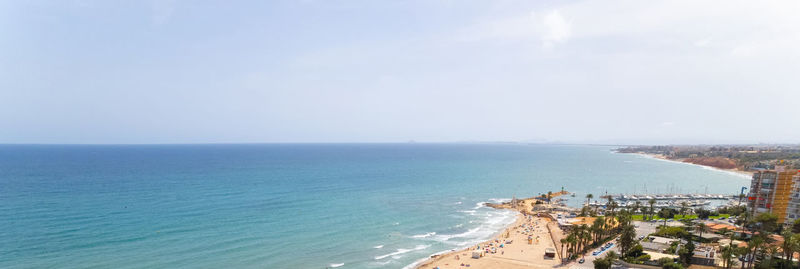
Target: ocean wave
[401,251]
[499,200]
[490,225]
[417,262]
[334,265]
[445,237]
[423,235]
[479,205]
[378,246]
[470,212]
[384,263]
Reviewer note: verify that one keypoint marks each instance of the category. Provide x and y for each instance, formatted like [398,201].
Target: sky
[609,72]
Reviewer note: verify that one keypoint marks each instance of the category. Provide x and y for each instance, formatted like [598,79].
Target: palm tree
[563,242]
[664,213]
[789,246]
[683,208]
[589,199]
[728,252]
[771,251]
[637,206]
[597,228]
[571,242]
[652,203]
[754,247]
[701,227]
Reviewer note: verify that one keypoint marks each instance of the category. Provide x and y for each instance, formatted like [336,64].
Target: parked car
[582,260]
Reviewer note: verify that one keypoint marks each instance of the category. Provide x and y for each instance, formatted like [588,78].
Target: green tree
[754,248]
[597,228]
[789,246]
[767,222]
[686,252]
[605,263]
[684,207]
[672,265]
[701,227]
[627,239]
[665,213]
[796,226]
[652,203]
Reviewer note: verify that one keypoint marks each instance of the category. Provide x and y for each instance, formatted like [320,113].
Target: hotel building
[776,191]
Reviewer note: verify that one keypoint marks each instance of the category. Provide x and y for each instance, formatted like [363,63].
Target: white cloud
[556,29]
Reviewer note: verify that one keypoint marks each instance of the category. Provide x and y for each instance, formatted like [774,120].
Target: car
[730,221]
[722,218]
[582,260]
[595,253]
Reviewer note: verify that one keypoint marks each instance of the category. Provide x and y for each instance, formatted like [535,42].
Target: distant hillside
[718,162]
[742,157]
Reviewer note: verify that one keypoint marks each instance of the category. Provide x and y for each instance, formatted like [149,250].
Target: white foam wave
[401,251]
[489,225]
[479,205]
[445,237]
[384,263]
[470,212]
[378,246]
[334,265]
[423,235]
[417,262]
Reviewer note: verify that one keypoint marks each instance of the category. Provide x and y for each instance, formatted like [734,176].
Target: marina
[666,200]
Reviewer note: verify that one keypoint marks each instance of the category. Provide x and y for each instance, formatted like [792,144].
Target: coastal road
[590,258]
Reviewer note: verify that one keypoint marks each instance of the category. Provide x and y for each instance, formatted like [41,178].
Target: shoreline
[503,245]
[683,161]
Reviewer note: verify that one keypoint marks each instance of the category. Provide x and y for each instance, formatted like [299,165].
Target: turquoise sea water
[291,206]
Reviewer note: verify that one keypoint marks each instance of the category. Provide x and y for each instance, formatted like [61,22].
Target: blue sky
[393,71]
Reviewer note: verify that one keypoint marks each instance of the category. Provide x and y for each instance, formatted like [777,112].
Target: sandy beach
[522,245]
[662,157]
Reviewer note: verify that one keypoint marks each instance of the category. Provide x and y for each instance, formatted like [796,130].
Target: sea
[294,205]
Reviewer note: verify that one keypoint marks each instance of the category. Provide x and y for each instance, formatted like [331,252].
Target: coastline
[737,171]
[507,248]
